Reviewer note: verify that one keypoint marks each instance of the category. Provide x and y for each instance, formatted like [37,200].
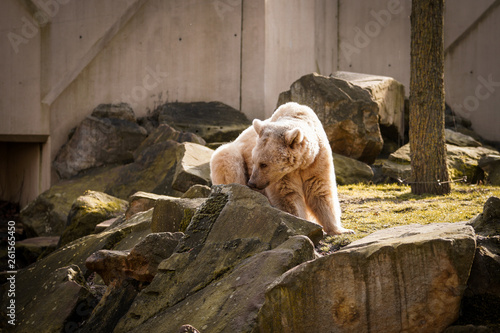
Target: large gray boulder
[349,106]
[388,93]
[109,136]
[403,279]
[142,201]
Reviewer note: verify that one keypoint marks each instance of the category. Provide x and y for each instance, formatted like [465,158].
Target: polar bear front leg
[322,199]
[287,196]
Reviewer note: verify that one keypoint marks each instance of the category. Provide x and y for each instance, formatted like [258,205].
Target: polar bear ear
[294,137]
[257,126]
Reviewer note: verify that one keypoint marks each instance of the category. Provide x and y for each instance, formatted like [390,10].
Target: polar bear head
[277,152]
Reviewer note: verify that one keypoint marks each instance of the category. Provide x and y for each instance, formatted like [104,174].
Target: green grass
[368,208]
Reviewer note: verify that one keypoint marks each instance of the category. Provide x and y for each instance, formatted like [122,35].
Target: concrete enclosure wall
[61,58]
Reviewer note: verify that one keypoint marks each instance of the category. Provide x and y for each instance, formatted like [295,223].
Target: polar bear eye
[263,165]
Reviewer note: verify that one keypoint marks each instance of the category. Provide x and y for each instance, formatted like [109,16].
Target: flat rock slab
[213,121]
[142,201]
[403,279]
[31,249]
[459,139]
[104,225]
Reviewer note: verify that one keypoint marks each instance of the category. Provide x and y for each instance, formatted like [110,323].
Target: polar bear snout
[255,186]
[251,185]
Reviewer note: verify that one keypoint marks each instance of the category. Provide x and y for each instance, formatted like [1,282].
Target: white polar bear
[289,159]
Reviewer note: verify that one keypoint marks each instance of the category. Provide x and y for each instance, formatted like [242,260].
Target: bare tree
[427,103]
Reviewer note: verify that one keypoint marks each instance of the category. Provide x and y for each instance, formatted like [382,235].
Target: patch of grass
[368,208]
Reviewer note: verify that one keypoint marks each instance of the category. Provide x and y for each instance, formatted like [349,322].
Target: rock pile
[358,109]
[243,266]
[162,163]
[463,161]
[107,154]
[350,106]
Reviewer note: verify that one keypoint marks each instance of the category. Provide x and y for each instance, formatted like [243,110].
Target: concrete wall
[20,75]
[374,38]
[160,51]
[24,122]
[289,43]
[240,52]
[472,68]
[279,45]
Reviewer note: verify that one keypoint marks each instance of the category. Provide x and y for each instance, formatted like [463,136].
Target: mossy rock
[351,171]
[89,210]
[463,161]
[47,214]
